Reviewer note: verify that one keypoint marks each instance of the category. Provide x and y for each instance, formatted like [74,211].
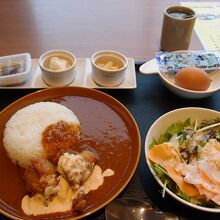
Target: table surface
[83,27]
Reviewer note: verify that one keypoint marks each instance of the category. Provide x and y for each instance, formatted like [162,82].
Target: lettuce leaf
[173,129]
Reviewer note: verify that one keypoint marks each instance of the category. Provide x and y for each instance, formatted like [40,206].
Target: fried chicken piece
[62,151]
[43,167]
[76,168]
[32,181]
[79,205]
[33,175]
[89,156]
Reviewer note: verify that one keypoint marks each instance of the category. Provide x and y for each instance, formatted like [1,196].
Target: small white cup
[58,77]
[108,77]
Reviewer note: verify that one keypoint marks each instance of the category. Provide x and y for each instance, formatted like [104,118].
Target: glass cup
[178,24]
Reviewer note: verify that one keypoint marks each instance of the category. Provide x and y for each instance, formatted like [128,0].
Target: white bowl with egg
[151,67]
[108,67]
[58,67]
[169,82]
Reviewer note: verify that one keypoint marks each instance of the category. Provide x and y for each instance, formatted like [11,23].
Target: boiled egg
[192,78]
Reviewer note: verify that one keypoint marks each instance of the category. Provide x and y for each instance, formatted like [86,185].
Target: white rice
[23,131]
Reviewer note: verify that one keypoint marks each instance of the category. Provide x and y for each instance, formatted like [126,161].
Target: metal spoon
[132,209]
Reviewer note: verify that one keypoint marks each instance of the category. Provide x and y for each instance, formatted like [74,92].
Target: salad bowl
[168,131]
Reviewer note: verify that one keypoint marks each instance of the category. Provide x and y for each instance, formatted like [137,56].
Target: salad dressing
[62,202]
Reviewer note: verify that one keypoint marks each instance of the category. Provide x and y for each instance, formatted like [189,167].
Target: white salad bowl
[160,126]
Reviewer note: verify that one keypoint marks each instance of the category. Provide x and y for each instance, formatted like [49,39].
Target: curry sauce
[103,131]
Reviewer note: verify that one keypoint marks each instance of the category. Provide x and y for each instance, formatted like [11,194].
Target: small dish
[108,67]
[58,67]
[151,67]
[159,127]
[14,69]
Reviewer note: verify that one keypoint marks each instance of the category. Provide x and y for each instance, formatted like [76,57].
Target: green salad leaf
[217,134]
[173,129]
[183,196]
[154,142]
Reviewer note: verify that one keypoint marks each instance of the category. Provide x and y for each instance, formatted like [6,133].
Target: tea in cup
[178,24]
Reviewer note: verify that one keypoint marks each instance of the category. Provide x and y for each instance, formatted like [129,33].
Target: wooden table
[132,27]
[83,27]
